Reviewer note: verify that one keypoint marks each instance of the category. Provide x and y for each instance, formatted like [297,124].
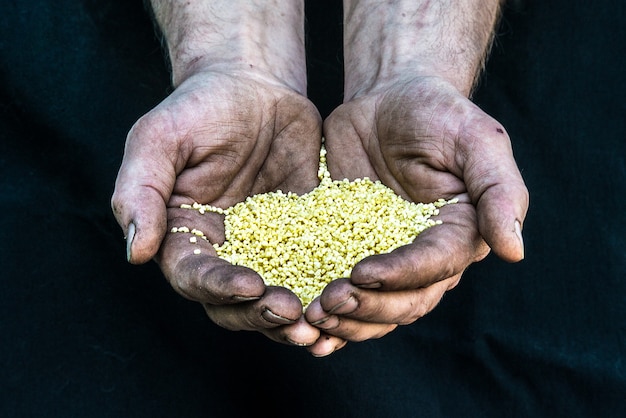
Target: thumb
[142,189]
[496,187]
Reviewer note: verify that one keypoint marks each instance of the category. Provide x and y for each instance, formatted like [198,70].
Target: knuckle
[148,124]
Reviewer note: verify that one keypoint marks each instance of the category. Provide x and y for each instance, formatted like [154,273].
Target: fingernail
[276,319]
[129,241]
[518,232]
[245,298]
[321,321]
[375,285]
[330,322]
[347,306]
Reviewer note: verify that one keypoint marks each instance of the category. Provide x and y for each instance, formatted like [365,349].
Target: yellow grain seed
[197,232]
[304,242]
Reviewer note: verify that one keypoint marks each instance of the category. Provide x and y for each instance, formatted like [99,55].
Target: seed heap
[304,242]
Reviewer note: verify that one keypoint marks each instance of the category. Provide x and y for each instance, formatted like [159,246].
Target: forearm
[264,35]
[387,40]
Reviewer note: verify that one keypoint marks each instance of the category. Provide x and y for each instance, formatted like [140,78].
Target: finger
[142,189]
[495,185]
[314,312]
[191,265]
[326,345]
[440,252]
[348,306]
[277,307]
[234,297]
[144,223]
[347,328]
[353,330]
[300,333]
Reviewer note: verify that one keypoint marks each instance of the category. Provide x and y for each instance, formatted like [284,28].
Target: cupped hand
[426,141]
[218,138]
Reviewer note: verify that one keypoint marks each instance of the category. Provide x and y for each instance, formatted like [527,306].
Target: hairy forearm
[264,35]
[405,38]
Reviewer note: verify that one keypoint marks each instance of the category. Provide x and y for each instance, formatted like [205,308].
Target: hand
[425,140]
[218,138]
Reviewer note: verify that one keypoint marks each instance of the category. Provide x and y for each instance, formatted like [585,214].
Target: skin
[407,120]
[237,124]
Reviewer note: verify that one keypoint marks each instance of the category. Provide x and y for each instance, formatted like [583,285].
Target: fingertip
[326,345]
[501,212]
[142,246]
[507,242]
[314,312]
[301,333]
[336,294]
[370,272]
[282,302]
[140,211]
[144,234]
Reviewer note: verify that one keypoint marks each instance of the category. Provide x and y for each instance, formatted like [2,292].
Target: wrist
[265,37]
[388,43]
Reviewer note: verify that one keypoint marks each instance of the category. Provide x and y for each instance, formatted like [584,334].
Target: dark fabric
[85,334]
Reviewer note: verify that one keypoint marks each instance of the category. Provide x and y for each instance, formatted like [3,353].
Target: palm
[407,137]
[426,141]
[222,130]
[216,140]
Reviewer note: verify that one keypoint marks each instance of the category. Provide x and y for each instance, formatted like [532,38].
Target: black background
[85,334]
